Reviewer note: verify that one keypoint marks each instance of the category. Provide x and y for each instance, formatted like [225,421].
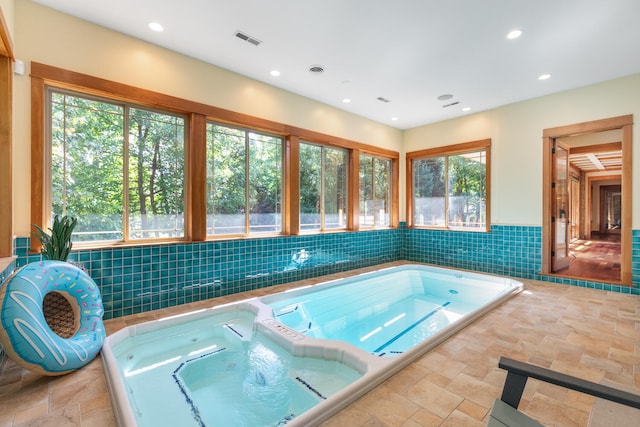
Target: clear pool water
[383,314]
[215,371]
[293,358]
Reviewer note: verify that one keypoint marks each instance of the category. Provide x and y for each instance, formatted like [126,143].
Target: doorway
[587,200]
[596,252]
[610,209]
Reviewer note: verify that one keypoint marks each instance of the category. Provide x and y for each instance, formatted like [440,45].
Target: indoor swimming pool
[292,358]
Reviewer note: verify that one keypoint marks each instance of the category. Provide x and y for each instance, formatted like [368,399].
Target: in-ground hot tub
[294,357]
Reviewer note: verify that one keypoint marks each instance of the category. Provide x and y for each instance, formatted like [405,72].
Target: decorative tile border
[138,279]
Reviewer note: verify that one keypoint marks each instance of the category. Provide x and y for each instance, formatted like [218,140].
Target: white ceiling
[407,51]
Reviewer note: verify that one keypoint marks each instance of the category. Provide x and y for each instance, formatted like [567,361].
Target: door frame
[589,201]
[575,210]
[625,123]
[602,210]
[6,143]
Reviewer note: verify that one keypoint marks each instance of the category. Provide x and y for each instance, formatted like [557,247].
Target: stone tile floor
[588,333]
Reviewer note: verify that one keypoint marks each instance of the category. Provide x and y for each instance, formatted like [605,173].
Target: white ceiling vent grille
[383,99]
[246,37]
[451,104]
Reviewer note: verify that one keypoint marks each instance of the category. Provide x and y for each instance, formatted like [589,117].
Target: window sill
[84,246]
[386,227]
[471,230]
[6,262]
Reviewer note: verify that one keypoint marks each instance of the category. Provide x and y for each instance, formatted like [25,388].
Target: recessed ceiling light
[514,34]
[394,119]
[156,26]
[274,73]
[445,97]
[346,100]
[466,109]
[544,77]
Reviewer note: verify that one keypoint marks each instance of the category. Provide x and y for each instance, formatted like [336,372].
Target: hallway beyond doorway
[597,258]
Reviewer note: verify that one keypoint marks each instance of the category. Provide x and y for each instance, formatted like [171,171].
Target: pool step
[239,330]
[295,318]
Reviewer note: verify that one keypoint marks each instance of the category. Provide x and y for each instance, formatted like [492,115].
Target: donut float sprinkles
[25,334]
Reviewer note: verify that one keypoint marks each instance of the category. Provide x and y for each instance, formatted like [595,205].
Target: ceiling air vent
[246,37]
[382,99]
[451,104]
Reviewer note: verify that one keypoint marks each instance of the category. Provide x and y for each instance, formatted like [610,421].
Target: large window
[118,168]
[136,165]
[450,186]
[323,187]
[244,181]
[375,191]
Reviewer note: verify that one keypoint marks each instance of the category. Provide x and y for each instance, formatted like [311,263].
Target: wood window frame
[247,225]
[353,159]
[394,173]
[465,147]
[44,76]
[126,107]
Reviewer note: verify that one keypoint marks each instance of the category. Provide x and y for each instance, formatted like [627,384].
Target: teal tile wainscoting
[506,250]
[143,278]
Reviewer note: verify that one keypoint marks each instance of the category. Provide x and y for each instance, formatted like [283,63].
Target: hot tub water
[293,358]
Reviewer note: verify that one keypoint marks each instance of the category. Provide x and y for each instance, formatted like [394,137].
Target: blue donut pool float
[26,336]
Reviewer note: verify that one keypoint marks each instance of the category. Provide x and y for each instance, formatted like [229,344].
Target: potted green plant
[57,245]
